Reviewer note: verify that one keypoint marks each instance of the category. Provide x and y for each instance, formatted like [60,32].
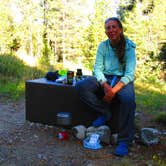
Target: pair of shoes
[121,149]
[101,120]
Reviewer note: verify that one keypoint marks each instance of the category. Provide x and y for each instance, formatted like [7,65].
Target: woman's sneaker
[121,149]
[101,120]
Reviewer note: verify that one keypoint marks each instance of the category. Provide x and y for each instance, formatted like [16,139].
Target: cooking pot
[63,118]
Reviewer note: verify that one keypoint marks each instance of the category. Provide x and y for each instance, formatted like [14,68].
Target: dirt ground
[30,144]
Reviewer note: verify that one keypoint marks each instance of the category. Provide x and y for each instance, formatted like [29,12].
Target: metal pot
[63,118]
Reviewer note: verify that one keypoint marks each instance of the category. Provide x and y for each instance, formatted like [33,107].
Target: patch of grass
[156,160]
[161,117]
[150,97]
[11,66]
[13,75]
[13,90]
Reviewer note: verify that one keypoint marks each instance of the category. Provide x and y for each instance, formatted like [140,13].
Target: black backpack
[52,76]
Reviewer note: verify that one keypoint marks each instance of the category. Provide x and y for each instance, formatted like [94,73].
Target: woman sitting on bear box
[113,79]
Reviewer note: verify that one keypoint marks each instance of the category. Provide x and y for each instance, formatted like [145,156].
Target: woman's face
[113,31]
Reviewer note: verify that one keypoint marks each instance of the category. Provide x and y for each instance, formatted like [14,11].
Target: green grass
[151,97]
[161,118]
[13,90]
[13,75]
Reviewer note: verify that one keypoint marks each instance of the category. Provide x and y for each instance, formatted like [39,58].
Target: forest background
[41,35]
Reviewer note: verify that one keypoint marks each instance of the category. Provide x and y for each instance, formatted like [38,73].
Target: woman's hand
[109,93]
[106,87]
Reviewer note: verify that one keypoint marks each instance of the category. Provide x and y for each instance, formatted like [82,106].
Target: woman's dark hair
[121,45]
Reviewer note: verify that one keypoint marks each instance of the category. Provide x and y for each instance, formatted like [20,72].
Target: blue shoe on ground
[121,149]
[99,121]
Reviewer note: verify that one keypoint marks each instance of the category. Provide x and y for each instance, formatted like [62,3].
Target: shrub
[10,65]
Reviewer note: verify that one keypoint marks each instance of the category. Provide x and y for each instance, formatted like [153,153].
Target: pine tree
[143,25]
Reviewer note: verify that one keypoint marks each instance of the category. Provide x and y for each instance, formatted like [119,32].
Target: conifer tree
[143,25]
